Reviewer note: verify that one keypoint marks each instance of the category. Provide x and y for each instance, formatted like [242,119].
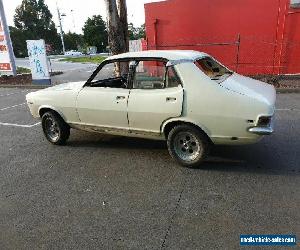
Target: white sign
[7,65]
[38,61]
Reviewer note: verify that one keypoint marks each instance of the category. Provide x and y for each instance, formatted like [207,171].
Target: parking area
[105,192]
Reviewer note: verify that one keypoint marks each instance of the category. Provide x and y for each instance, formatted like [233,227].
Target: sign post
[38,62]
[7,58]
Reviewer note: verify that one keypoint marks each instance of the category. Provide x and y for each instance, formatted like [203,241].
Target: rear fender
[185,120]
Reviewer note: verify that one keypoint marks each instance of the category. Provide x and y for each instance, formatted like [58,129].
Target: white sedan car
[185,97]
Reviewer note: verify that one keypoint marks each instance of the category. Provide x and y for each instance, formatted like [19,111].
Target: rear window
[213,69]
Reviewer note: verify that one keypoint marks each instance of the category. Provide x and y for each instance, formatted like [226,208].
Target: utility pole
[7,38]
[73,20]
[61,30]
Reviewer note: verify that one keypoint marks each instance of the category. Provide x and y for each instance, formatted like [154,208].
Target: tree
[141,32]
[136,33]
[18,38]
[73,41]
[117,26]
[34,19]
[94,33]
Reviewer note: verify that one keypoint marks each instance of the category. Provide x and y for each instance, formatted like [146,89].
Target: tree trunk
[117,26]
[122,11]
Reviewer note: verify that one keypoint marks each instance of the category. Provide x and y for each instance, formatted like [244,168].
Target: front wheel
[188,145]
[55,129]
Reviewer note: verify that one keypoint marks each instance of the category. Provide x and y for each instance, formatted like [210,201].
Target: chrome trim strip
[117,131]
[175,62]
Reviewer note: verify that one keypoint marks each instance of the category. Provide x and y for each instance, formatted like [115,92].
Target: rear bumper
[261,130]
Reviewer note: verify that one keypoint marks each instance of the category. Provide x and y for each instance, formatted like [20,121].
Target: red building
[249,36]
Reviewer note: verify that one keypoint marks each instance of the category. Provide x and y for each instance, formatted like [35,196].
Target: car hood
[252,88]
[66,86]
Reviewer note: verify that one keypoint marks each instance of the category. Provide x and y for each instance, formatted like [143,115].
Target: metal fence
[246,55]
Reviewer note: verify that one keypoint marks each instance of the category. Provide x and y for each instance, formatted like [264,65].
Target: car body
[160,90]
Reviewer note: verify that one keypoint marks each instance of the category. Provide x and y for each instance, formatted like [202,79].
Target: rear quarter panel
[221,113]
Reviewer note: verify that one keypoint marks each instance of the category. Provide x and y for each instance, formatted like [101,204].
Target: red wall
[269,33]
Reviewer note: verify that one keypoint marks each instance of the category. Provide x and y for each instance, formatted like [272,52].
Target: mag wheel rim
[51,129]
[187,146]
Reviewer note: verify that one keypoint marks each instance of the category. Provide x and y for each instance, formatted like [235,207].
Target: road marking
[14,93]
[8,94]
[291,109]
[19,125]
[13,106]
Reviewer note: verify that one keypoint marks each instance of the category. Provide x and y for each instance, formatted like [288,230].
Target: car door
[103,102]
[156,96]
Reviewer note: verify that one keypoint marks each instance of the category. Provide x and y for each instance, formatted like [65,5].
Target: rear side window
[150,75]
[212,68]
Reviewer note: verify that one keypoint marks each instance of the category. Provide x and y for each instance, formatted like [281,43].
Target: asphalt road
[103,192]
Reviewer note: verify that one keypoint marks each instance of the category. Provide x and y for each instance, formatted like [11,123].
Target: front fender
[52,108]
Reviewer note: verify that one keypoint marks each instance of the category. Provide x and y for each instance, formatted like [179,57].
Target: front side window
[213,69]
[112,75]
[149,75]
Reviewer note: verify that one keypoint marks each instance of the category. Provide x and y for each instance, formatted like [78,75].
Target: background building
[249,36]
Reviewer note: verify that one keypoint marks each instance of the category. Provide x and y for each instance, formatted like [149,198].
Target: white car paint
[148,109]
[107,107]
[225,110]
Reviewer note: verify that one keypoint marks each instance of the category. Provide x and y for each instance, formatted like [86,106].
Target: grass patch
[21,70]
[84,59]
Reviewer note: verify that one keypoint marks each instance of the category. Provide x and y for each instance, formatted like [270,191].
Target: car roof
[170,55]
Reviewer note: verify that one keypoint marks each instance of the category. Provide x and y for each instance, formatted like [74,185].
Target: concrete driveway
[103,192]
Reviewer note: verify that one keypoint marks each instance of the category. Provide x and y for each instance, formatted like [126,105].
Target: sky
[78,11]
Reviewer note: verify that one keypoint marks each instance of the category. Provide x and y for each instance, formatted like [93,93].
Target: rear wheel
[188,145]
[55,129]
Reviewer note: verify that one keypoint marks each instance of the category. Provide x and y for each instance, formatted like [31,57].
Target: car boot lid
[252,88]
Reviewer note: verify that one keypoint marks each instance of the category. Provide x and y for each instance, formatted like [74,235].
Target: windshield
[213,69]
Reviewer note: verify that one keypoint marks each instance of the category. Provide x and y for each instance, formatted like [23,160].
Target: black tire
[55,129]
[188,145]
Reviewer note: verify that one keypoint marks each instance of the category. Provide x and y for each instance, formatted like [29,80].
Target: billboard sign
[38,62]
[7,62]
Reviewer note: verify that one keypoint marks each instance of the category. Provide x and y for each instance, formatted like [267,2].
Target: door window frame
[172,67]
[101,66]
[132,69]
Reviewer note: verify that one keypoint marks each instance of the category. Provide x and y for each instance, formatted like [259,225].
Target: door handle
[120,98]
[171,99]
